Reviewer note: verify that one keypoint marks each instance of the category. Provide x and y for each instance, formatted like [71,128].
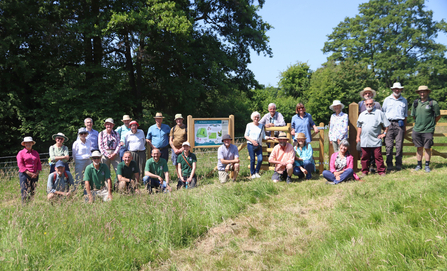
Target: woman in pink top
[341,165]
[29,164]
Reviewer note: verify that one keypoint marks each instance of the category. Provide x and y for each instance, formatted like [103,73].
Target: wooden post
[190,132]
[353,117]
[289,135]
[331,147]
[231,128]
[321,139]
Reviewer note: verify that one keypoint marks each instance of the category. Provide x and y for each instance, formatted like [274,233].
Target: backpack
[430,103]
[55,176]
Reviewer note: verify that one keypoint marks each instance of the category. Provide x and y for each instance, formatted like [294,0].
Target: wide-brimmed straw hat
[423,88]
[28,139]
[96,154]
[282,135]
[368,89]
[300,136]
[397,85]
[334,103]
[126,117]
[178,116]
[59,135]
[134,122]
[159,116]
[109,120]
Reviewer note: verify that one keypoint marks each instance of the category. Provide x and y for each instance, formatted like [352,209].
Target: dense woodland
[63,61]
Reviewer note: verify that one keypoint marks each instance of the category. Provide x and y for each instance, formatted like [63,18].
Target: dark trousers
[123,149]
[395,132]
[190,185]
[27,185]
[252,154]
[347,174]
[164,153]
[366,155]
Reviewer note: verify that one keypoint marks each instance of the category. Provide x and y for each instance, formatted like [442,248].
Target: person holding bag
[186,164]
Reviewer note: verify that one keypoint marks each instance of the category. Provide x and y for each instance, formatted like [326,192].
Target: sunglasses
[96,158]
[83,133]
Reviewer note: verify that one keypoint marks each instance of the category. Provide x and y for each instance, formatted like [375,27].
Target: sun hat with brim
[420,88]
[109,120]
[159,116]
[96,154]
[225,137]
[397,85]
[178,116]
[60,164]
[134,122]
[300,136]
[126,117]
[186,143]
[368,89]
[82,130]
[282,135]
[28,139]
[334,103]
[60,135]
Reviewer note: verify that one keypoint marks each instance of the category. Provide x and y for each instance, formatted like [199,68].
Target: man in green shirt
[97,179]
[128,174]
[426,114]
[156,172]
[186,164]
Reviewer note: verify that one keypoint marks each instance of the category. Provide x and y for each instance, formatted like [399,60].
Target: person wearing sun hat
[135,142]
[81,154]
[338,128]
[158,136]
[122,131]
[368,93]
[395,108]
[283,156]
[177,136]
[28,161]
[59,152]
[426,114]
[109,145]
[304,162]
[97,179]
[227,160]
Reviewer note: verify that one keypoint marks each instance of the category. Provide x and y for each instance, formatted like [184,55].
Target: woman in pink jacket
[341,165]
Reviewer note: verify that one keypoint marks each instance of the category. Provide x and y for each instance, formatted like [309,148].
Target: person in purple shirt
[30,166]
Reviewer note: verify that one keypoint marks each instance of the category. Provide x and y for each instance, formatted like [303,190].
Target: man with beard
[227,159]
[97,179]
[395,108]
[369,135]
[283,156]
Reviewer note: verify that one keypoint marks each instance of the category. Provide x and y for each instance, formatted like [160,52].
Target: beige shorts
[223,176]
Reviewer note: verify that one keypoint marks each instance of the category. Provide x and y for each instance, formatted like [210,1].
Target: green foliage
[285,104]
[295,80]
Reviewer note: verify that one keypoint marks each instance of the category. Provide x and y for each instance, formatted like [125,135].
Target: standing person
[97,180]
[254,133]
[109,145]
[341,165]
[395,108]
[81,154]
[128,174]
[304,160]
[135,142]
[227,159]
[283,157]
[338,128]
[122,131]
[177,137]
[59,182]
[156,172]
[272,119]
[187,165]
[59,152]
[302,122]
[30,166]
[426,113]
[92,134]
[158,136]
[369,135]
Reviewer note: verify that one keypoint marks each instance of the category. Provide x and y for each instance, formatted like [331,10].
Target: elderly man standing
[135,142]
[109,145]
[272,119]
[122,131]
[128,174]
[59,182]
[97,179]
[283,156]
[158,136]
[227,159]
[369,135]
[426,113]
[156,172]
[177,136]
[92,134]
[395,108]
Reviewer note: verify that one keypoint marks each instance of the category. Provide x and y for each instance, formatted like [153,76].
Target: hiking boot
[417,168]
[427,169]
[289,179]
[390,168]
[398,168]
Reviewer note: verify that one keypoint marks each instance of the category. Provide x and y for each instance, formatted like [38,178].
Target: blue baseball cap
[60,164]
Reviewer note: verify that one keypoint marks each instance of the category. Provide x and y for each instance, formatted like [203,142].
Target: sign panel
[209,132]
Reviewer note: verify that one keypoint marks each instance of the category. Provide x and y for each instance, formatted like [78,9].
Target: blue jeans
[348,173]
[308,165]
[252,154]
[123,149]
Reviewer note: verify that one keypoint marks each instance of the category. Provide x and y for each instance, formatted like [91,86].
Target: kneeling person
[227,159]
[97,179]
[283,156]
[59,182]
[186,163]
[128,174]
[156,172]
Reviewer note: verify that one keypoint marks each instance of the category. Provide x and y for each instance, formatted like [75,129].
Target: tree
[394,37]
[295,80]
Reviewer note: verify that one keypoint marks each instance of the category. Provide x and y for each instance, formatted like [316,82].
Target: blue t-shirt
[303,125]
[159,136]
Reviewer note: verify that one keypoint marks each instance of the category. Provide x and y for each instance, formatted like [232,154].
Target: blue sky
[301,28]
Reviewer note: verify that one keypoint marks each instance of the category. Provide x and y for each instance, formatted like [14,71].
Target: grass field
[395,222]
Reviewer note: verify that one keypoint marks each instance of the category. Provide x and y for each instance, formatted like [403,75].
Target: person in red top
[29,164]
